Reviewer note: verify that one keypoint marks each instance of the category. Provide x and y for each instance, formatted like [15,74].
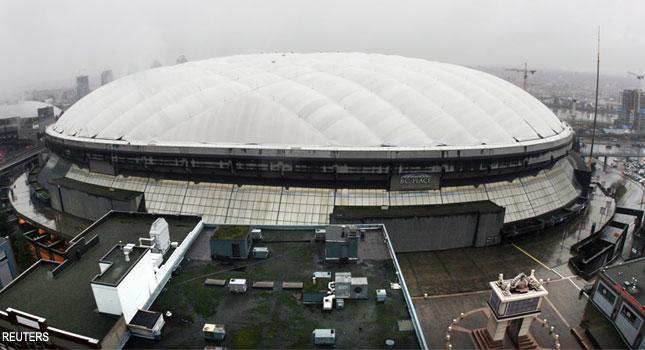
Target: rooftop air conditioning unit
[160,234]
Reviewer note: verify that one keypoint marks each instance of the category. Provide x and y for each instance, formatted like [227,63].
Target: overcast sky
[47,43]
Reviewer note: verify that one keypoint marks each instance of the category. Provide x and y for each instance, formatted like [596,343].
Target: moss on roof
[230,232]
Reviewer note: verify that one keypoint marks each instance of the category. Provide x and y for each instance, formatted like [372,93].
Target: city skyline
[82,39]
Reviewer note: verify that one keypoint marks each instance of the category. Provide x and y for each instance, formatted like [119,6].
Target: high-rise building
[82,86]
[633,102]
[106,77]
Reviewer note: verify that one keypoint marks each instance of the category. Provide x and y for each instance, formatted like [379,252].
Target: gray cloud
[46,43]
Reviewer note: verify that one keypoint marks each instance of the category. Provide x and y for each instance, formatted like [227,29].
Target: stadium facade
[283,139]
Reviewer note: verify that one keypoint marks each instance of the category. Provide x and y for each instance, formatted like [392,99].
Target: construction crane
[526,72]
[639,77]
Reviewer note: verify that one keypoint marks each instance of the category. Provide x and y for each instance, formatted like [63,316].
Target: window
[522,306]
[629,315]
[606,293]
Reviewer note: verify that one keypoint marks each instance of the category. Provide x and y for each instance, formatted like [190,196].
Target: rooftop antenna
[595,109]
[526,72]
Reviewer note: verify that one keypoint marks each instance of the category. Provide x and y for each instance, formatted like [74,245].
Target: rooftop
[119,267]
[67,301]
[24,109]
[622,275]
[276,318]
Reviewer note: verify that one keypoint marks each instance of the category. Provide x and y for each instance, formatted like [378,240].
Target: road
[625,151]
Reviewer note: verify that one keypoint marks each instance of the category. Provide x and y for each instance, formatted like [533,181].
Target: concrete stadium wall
[440,232]
[88,206]
[432,233]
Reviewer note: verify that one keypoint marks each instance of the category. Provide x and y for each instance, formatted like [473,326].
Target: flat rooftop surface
[275,318]
[624,272]
[66,301]
[456,281]
[119,267]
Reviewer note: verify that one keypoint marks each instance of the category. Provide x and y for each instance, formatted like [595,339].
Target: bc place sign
[415,181]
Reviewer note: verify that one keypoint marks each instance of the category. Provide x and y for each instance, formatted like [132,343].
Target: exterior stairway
[483,340]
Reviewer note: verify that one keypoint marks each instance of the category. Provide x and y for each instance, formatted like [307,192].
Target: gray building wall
[86,205]
[432,233]
[224,248]
[439,227]
[488,229]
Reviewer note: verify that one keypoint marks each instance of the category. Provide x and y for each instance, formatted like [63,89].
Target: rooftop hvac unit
[328,302]
[256,234]
[214,331]
[324,336]
[343,284]
[237,285]
[359,288]
[160,235]
[381,294]
[261,252]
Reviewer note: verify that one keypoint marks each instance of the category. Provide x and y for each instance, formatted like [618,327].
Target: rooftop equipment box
[343,284]
[358,288]
[237,285]
[260,252]
[214,331]
[324,336]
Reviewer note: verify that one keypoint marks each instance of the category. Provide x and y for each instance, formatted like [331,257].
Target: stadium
[284,139]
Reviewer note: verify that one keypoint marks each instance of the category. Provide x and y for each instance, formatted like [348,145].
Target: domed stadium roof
[315,100]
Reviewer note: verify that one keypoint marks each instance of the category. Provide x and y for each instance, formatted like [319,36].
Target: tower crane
[526,72]
[639,77]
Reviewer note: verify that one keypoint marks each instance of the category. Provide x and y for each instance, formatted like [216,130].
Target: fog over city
[46,44]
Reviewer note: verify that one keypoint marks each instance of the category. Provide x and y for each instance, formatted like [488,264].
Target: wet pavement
[446,283]
[40,215]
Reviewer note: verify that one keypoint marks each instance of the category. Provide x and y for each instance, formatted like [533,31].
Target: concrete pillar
[525,327]
[497,330]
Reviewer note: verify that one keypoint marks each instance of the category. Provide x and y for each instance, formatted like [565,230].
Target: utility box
[256,234]
[343,284]
[261,252]
[381,294]
[358,288]
[324,336]
[214,331]
[237,285]
[328,302]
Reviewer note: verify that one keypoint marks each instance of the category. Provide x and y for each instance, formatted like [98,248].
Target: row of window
[523,198]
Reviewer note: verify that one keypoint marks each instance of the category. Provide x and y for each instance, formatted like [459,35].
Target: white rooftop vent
[127,249]
[160,235]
